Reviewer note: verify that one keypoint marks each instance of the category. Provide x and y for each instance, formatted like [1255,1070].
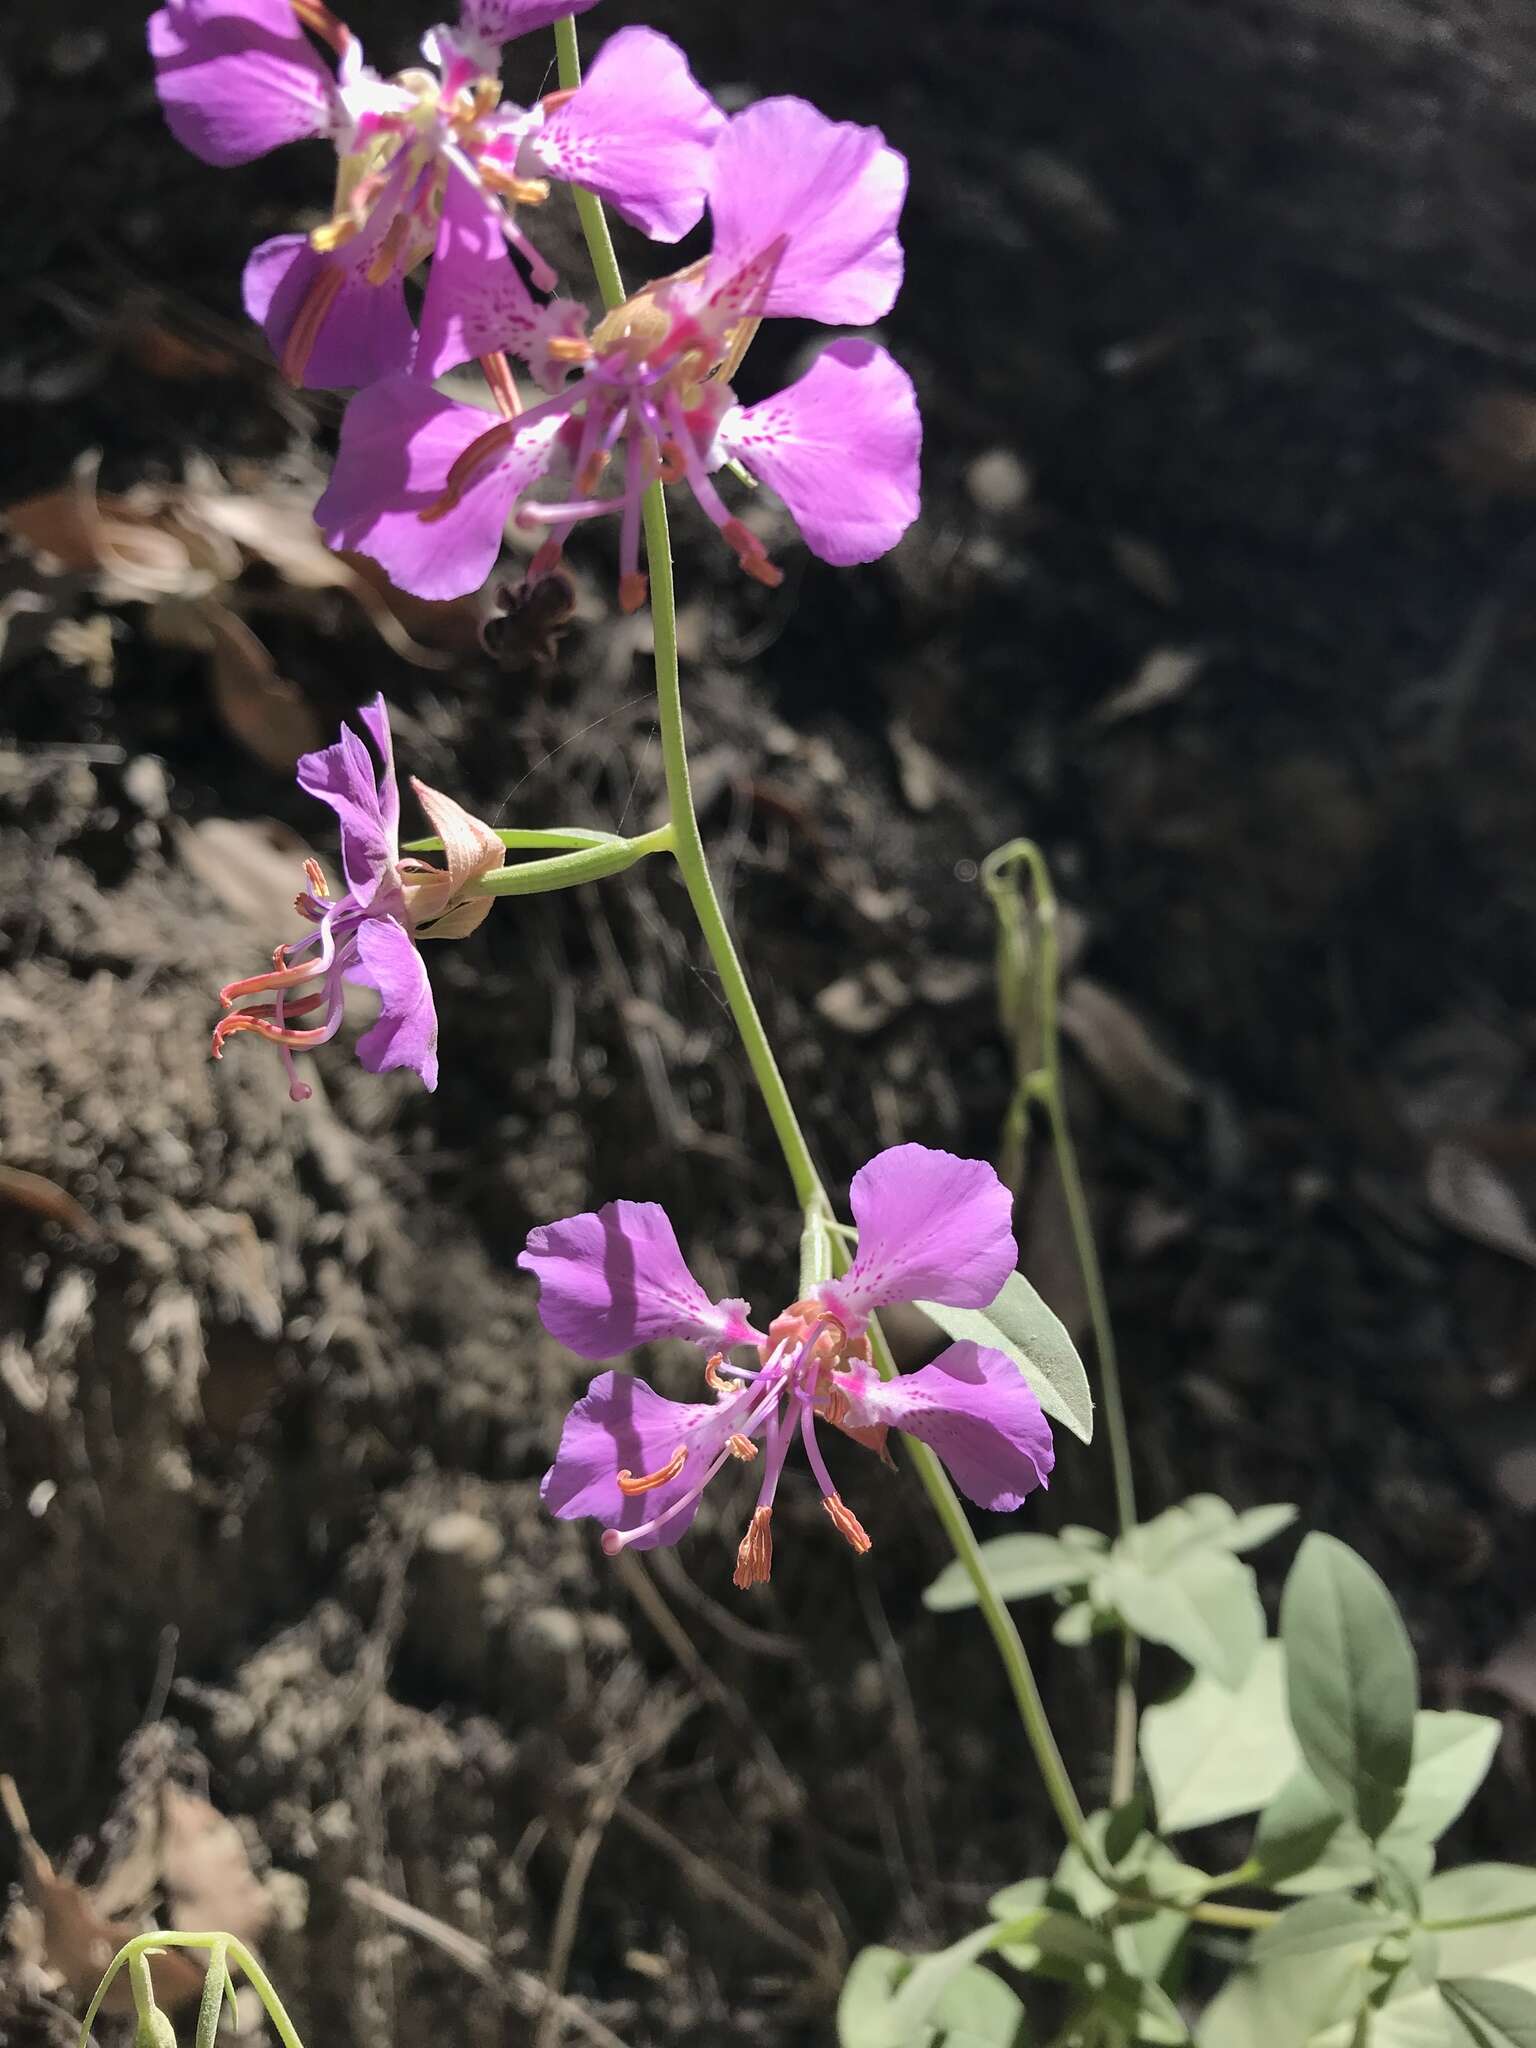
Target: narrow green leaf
[1211,1753]
[1020,1566]
[1019,1324]
[1491,2013]
[1337,1921]
[1253,1526]
[1075,1625]
[1352,1680]
[1204,1604]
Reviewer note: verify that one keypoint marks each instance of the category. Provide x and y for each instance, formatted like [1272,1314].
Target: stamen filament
[649,1481]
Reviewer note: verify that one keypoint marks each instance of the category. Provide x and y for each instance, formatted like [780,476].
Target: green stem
[1044,1085]
[688,849]
[135,1954]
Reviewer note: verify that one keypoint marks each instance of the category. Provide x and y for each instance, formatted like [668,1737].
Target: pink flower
[931,1226]
[371,933]
[433,161]
[804,213]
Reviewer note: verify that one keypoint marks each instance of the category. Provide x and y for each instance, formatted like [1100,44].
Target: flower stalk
[1032,963]
[692,860]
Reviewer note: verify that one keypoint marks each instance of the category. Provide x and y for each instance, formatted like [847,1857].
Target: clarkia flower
[804,214]
[419,155]
[370,934]
[931,1227]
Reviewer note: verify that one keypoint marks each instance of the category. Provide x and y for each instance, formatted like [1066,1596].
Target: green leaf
[1019,1324]
[865,2002]
[1294,1832]
[1492,2014]
[1451,1755]
[1254,1526]
[1337,1921]
[1471,1893]
[1284,2005]
[891,2000]
[978,2010]
[1020,1567]
[1204,1604]
[1352,1680]
[1211,1753]
[1076,1625]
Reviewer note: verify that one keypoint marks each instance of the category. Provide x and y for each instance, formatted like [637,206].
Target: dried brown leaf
[1470,1195]
[78,1940]
[262,709]
[1152,1089]
[46,1198]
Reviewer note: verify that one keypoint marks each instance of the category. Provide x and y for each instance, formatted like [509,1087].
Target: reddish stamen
[633,590]
[264,984]
[317,16]
[479,455]
[498,375]
[315,877]
[847,1523]
[714,1379]
[752,555]
[268,1028]
[629,1485]
[754,1559]
[741,1447]
[307,322]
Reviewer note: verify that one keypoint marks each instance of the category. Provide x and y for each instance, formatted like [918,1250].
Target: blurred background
[1225,333]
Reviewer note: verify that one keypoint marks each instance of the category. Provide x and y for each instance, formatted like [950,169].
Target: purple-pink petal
[367,809]
[405,1034]
[975,1408]
[499,21]
[832,190]
[931,1228]
[840,446]
[623,1425]
[237,77]
[615,1277]
[399,440]
[638,132]
[366,331]
[476,301]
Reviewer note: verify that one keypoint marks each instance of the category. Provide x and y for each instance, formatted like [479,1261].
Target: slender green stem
[529,839]
[135,1955]
[998,1617]
[1043,1084]
[693,863]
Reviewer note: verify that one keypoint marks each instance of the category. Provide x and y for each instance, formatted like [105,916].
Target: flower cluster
[369,935]
[435,170]
[931,1227]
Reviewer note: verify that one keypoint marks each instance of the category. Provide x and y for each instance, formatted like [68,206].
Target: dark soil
[1226,336]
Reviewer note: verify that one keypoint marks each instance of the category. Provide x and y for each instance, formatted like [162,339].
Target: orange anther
[649,1481]
[632,591]
[847,1523]
[754,1559]
[741,1447]
[714,1379]
[315,877]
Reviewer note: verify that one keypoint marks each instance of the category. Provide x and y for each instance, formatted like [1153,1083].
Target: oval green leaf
[1352,1681]
[1020,1325]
